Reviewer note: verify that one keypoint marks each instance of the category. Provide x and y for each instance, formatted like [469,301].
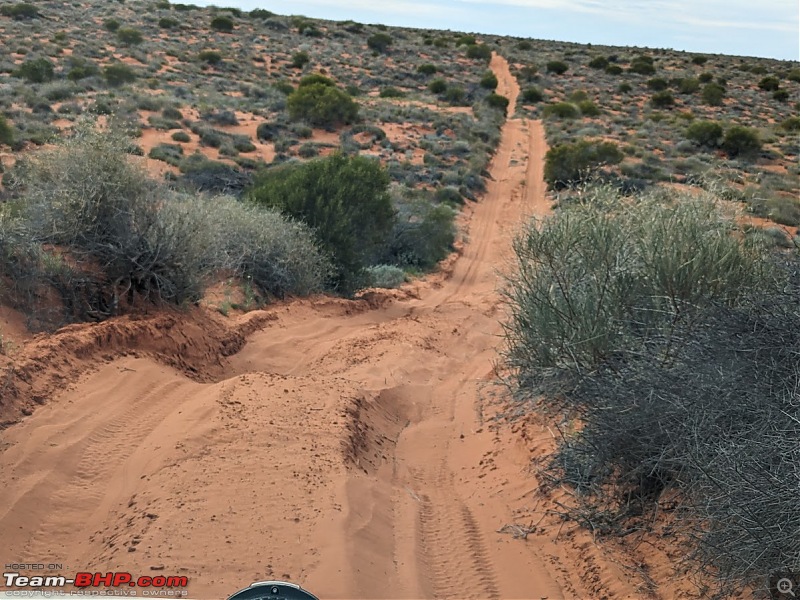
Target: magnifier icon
[785,586]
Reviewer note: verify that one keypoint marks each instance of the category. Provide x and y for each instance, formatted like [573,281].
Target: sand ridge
[346,446]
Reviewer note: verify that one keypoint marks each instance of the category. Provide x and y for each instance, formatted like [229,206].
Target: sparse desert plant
[300,59]
[781,95]
[437,86]
[657,84]
[588,108]
[379,42]
[558,67]
[168,23]
[222,23]
[385,276]
[688,85]
[489,81]
[705,133]
[344,199]
[117,74]
[423,235]
[111,25]
[561,110]
[181,136]
[129,36]
[742,142]
[699,59]
[570,163]
[6,131]
[642,65]
[769,83]
[791,124]
[532,95]
[663,99]
[598,62]
[212,57]
[479,52]
[497,101]
[20,11]
[713,94]
[37,70]
[427,69]
[391,92]
[322,104]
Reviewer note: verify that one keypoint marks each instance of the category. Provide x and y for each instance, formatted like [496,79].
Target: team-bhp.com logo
[95,580]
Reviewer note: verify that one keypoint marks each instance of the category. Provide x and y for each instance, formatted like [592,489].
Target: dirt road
[346,447]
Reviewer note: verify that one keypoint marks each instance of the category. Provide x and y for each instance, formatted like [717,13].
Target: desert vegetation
[667,342]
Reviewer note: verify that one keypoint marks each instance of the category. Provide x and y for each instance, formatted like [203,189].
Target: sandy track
[343,448]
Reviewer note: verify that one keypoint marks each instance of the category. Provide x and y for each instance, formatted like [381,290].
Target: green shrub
[129,36]
[117,74]
[423,235]
[168,23]
[663,99]
[769,84]
[781,95]
[379,42]
[181,136]
[614,70]
[791,124]
[168,153]
[344,199]
[705,133]
[705,77]
[489,81]
[657,84]
[300,60]
[598,62]
[427,69]
[624,88]
[688,85]
[222,24]
[570,163]
[588,108]
[385,276]
[524,45]
[642,65]
[111,25]
[466,40]
[497,101]
[455,95]
[38,70]
[699,59]
[211,57]
[532,95]
[713,94]
[529,73]
[559,67]
[260,13]
[20,11]
[561,110]
[479,52]
[316,78]
[794,75]
[741,141]
[437,86]
[322,105]
[6,131]
[391,92]
[82,70]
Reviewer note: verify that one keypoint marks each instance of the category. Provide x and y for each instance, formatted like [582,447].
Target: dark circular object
[273,590]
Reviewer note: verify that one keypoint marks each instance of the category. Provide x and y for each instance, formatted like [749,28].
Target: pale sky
[768,28]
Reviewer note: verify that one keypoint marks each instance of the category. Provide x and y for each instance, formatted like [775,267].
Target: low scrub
[571,163]
[345,200]
[670,344]
[322,104]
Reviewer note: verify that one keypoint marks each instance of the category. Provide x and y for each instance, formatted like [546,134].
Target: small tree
[129,36]
[769,84]
[479,52]
[321,104]
[222,24]
[663,99]
[345,199]
[379,42]
[300,59]
[6,131]
[741,141]
[705,133]
[118,74]
[38,70]
[558,67]
[489,81]
[568,164]
[713,94]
